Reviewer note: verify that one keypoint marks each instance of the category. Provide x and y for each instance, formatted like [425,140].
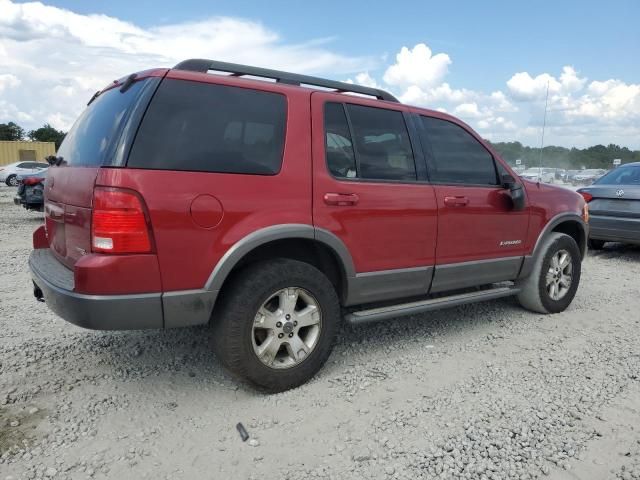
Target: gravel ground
[486,391]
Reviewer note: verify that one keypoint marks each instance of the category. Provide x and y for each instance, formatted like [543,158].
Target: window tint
[93,137]
[621,176]
[457,157]
[23,165]
[211,128]
[339,150]
[382,144]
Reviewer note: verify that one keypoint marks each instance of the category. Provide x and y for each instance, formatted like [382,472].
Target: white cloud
[364,79]
[52,60]
[59,58]
[524,87]
[8,80]
[468,110]
[417,67]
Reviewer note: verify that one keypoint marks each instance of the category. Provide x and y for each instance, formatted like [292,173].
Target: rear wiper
[128,82]
[95,95]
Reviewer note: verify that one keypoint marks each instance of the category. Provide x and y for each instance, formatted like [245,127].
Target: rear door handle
[341,199]
[456,201]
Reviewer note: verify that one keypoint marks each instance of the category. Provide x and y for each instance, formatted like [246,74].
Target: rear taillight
[119,224]
[587,196]
[31,181]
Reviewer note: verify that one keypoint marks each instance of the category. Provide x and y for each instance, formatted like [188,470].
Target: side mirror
[517,192]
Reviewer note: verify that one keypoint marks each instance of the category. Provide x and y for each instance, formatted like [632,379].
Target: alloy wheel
[286,328]
[559,275]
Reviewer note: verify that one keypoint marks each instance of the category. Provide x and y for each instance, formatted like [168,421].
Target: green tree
[11,131]
[47,133]
[597,156]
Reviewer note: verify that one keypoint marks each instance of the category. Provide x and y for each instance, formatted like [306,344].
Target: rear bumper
[614,229]
[54,283]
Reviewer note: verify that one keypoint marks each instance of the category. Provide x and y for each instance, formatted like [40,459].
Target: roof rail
[203,66]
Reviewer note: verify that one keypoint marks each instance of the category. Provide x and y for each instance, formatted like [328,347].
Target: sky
[489,63]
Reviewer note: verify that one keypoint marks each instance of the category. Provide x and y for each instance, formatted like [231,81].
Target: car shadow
[184,358]
[619,251]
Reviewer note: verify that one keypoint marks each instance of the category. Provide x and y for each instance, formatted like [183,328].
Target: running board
[393,311]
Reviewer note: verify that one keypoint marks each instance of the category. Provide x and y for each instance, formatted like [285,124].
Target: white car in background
[537,174]
[9,173]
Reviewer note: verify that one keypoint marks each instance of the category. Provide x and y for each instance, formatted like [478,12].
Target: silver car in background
[537,174]
[588,176]
[614,207]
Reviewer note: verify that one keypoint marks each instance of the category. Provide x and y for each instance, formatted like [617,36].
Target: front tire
[277,324]
[554,280]
[12,181]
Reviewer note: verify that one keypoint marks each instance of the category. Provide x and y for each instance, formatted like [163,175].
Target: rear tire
[254,336]
[12,181]
[555,277]
[595,244]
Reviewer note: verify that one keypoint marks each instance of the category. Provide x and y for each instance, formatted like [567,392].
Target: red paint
[196,217]
[473,229]
[117,274]
[392,225]
[40,239]
[206,211]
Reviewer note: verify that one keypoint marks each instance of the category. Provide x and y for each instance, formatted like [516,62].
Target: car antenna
[544,124]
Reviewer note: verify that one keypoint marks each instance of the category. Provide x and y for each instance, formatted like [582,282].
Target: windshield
[621,176]
[93,137]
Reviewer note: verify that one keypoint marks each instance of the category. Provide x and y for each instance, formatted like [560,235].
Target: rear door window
[211,128]
[456,156]
[368,143]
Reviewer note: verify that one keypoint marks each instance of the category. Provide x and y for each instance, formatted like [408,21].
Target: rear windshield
[94,136]
[211,128]
[621,176]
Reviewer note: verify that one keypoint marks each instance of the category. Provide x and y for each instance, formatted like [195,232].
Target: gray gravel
[486,391]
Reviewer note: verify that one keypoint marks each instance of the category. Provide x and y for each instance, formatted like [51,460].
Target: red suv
[274,210]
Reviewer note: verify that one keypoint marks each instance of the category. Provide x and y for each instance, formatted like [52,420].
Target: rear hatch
[614,200]
[100,137]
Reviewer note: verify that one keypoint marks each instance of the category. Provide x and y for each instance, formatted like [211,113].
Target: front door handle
[341,199]
[456,201]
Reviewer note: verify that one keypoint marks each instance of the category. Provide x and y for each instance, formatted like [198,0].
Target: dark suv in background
[274,210]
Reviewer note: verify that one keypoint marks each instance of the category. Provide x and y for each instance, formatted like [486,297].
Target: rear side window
[94,136]
[457,157]
[373,144]
[211,128]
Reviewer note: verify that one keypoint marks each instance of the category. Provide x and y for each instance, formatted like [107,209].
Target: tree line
[598,156]
[46,133]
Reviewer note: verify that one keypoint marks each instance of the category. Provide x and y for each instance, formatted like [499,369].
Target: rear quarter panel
[187,252]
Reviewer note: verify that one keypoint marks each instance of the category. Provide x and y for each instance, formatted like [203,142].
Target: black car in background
[31,191]
[614,207]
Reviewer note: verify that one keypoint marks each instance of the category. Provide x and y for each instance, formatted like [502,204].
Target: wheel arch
[315,246]
[570,224]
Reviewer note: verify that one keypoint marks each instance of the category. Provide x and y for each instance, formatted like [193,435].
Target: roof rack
[203,66]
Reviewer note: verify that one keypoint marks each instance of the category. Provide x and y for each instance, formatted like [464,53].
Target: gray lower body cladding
[54,283]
